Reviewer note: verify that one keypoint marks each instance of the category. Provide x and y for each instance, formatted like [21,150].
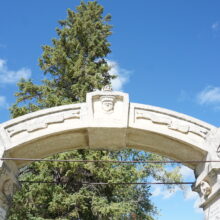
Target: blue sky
[166,54]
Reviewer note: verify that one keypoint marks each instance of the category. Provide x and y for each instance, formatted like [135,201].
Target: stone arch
[108,121]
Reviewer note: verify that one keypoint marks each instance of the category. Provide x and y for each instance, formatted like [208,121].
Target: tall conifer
[73,65]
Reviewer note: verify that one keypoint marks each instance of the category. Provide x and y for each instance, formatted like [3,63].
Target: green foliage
[75,62]
[70,199]
[74,65]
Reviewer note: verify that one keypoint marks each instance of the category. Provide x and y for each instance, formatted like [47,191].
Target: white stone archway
[108,121]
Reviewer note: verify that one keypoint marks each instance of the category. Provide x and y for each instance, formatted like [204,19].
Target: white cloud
[188,175]
[210,95]
[122,75]
[165,193]
[190,195]
[215,26]
[11,76]
[159,190]
[3,103]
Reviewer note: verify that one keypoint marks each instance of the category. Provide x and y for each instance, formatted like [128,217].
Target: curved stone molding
[171,120]
[181,125]
[108,121]
[169,133]
[43,121]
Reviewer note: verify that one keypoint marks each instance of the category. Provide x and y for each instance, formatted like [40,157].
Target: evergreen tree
[75,62]
[74,65]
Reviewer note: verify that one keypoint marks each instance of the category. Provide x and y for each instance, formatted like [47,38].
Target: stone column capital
[209,191]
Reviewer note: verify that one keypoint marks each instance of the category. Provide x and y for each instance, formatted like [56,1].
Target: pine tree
[74,65]
[75,62]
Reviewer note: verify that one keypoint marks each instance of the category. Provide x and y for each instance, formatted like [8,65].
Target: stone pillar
[208,178]
[211,202]
[8,178]
[209,191]
[8,185]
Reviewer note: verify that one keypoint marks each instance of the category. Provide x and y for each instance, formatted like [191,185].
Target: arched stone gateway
[108,121]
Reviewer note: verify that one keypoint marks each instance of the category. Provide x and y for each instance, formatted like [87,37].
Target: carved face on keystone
[108,106]
[108,103]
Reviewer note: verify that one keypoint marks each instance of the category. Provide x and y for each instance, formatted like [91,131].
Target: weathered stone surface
[8,185]
[108,121]
[212,212]
[2,213]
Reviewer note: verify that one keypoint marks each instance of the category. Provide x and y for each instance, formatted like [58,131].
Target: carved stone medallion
[108,101]
[205,188]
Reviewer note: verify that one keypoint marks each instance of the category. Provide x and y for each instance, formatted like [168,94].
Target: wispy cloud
[167,193]
[187,173]
[164,192]
[122,75]
[215,26]
[188,193]
[12,76]
[209,95]
[3,102]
